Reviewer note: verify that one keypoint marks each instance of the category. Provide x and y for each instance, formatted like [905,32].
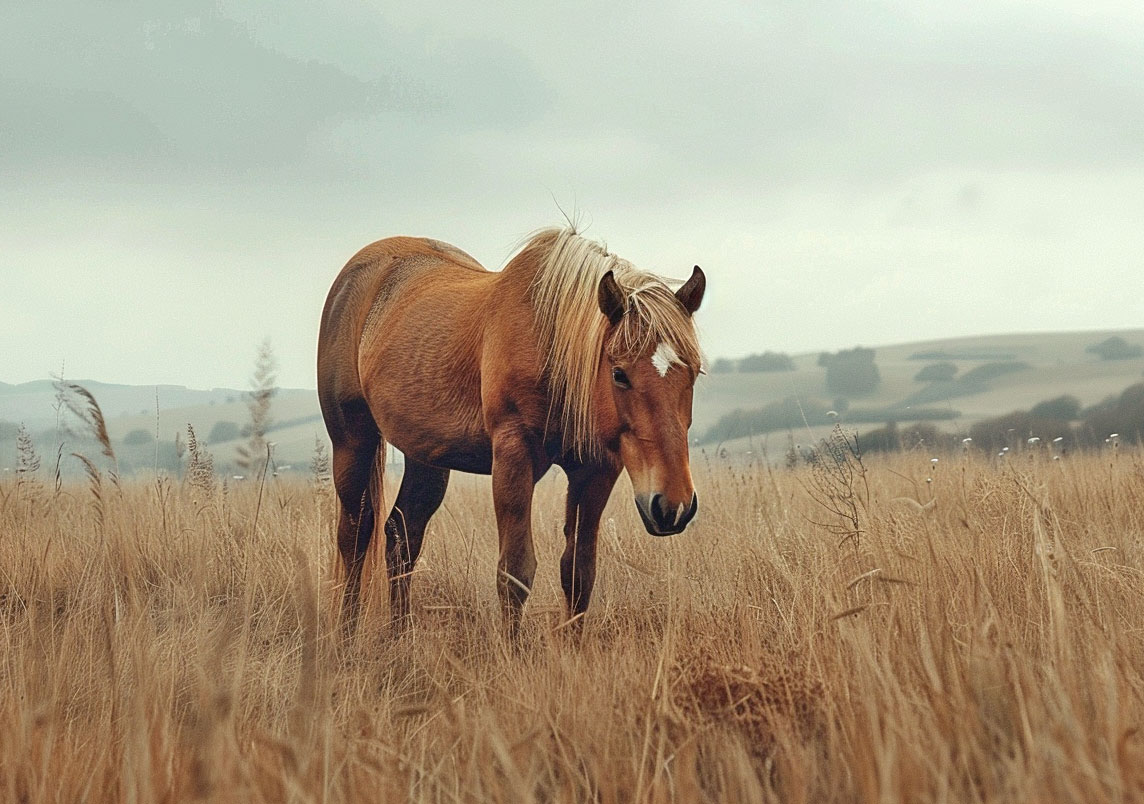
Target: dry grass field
[978,636]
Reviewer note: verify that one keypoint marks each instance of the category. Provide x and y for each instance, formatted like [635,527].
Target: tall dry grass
[164,643]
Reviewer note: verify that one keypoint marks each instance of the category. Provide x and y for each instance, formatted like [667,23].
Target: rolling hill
[1058,363]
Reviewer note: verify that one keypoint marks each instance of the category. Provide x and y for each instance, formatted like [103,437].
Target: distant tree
[1115,348]
[850,372]
[891,438]
[723,366]
[895,413]
[937,372]
[169,456]
[882,439]
[1122,414]
[787,414]
[1064,408]
[252,455]
[1014,430]
[767,361]
[224,431]
[137,438]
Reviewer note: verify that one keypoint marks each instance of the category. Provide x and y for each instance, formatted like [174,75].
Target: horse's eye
[620,378]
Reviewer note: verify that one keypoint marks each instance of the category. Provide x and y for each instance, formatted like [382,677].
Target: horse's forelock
[656,317]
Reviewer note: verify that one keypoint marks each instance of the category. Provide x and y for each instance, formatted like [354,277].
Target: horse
[568,356]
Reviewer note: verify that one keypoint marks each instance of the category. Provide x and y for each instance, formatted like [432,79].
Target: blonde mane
[571,329]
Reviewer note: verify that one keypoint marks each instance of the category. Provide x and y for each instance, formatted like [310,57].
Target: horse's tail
[373,503]
[377,492]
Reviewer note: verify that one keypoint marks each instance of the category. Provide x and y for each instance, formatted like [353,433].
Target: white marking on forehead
[663,358]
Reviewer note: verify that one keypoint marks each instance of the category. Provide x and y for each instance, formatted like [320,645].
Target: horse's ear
[691,294]
[611,298]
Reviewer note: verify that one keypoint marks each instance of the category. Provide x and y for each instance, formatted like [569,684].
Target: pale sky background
[179,180]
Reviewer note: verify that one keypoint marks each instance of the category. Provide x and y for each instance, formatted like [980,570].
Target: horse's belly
[478,461]
[442,447]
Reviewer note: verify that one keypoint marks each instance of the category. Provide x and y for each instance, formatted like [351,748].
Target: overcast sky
[179,180]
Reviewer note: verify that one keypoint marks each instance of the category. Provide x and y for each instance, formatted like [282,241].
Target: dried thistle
[27,463]
[200,470]
[835,467]
[263,389]
[320,463]
[27,460]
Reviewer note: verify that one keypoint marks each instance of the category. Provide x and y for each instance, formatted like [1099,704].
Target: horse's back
[366,283]
[400,309]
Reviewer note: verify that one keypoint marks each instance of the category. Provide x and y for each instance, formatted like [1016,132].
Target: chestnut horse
[568,356]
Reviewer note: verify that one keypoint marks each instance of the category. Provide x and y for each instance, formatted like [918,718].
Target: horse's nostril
[664,516]
[690,514]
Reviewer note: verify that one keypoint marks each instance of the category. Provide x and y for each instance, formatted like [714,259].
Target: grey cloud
[220,158]
[186,87]
[838,92]
[190,89]
[749,101]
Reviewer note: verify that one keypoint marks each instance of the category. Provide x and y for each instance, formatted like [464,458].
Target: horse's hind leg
[422,490]
[355,464]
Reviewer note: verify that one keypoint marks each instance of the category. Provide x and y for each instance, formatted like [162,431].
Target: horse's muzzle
[662,520]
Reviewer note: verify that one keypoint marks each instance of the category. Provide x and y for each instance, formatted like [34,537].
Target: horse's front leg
[588,490]
[514,476]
